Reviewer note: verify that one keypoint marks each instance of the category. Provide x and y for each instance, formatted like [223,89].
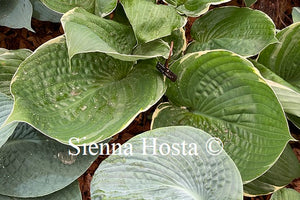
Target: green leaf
[288,95]
[192,174]
[289,98]
[151,21]
[282,61]
[194,8]
[6,105]
[70,192]
[241,30]
[286,194]
[268,74]
[286,169]
[96,97]
[249,2]
[296,14]
[43,13]
[99,7]
[178,37]
[33,165]
[295,120]
[9,62]
[154,48]
[97,34]
[16,14]
[120,15]
[105,7]
[224,95]
[283,58]
[63,6]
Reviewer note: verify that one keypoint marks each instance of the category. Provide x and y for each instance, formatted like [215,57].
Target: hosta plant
[18,13]
[219,129]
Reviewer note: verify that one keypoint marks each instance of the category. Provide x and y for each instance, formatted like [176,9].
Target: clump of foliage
[238,80]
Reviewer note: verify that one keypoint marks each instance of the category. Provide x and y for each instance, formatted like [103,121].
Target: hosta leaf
[286,194]
[295,120]
[222,93]
[105,7]
[6,105]
[179,40]
[283,58]
[296,14]
[285,169]
[63,6]
[289,98]
[43,13]
[154,48]
[103,35]
[120,15]
[249,2]
[269,75]
[32,164]
[143,175]
[16,14]
[70,192]
[97,33]
[241,30]
[150,21]
[9,62]
[288,95]
[98,7]
[93,96]
[194,8]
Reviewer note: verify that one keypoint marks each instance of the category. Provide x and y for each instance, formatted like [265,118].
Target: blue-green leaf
[33,165]
[16,14]
[189,171]
[241,30]
[223,94]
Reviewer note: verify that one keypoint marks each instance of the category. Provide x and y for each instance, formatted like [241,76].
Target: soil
[278,10]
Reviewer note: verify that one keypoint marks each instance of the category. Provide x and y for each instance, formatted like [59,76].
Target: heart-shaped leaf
[43,13]
[178,167]
[9,63]
[286,169]
[97,34]
[296,14]
[286,194]
[16,14]
[70,192]
[150,21]
[224,95]
[33,165]
[241,30]
[283,58]
[194,8]
[93,96]
[6,105]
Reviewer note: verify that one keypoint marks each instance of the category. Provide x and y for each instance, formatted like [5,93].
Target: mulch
[278,10]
